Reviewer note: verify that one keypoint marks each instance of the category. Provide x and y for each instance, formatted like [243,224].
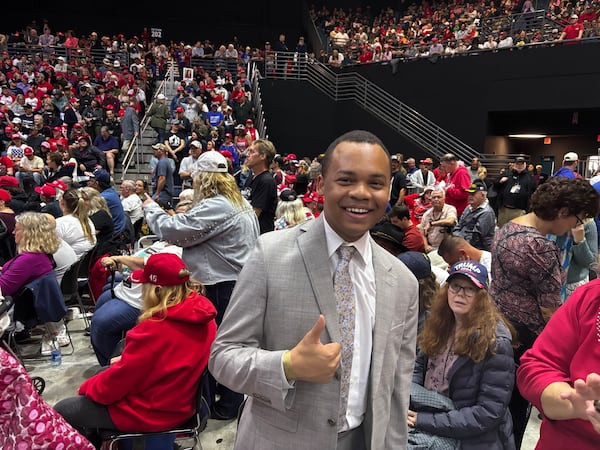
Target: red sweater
[153,387]
[567,349]
[456,183]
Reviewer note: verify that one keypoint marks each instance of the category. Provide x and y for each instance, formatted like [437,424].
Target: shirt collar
[334,241]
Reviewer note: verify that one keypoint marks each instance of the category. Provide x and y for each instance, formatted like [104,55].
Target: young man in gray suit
[280,342]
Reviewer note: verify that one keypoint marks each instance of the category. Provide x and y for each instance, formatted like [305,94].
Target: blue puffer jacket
[481,393]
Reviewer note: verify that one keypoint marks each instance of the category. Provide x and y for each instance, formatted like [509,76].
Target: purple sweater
[22,269]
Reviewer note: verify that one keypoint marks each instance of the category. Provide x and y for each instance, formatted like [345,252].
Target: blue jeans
[112,318]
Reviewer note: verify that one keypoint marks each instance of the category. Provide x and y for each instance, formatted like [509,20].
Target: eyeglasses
[579,220]
[468,291]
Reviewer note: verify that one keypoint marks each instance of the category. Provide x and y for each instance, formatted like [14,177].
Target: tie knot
[346,252]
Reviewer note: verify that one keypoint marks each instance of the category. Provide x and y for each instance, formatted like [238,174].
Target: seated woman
[117,310]
[465,355]
[559,374]
[75,226]
[37,242]
[153,384]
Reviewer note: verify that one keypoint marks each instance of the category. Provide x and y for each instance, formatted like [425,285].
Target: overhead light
[527,136]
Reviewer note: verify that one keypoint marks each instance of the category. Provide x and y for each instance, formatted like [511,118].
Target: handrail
[351,86]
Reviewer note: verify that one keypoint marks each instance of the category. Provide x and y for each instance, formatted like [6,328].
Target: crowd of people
[436,303]
[460,313]
[434,29]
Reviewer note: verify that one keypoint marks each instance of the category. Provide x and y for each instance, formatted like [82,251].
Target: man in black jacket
[514,188]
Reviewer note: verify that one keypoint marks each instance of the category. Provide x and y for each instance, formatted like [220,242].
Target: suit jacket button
[331,422]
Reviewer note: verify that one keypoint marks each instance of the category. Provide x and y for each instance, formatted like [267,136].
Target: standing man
[130,125]
[474,169]
[260,189]
[187,165]
[281,55]
[514,191]
[457,180]
[162,178]
[569,166]
[282,340]
[398,184]
[477,223]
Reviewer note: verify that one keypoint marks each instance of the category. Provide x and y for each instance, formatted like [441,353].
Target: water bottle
[55,354]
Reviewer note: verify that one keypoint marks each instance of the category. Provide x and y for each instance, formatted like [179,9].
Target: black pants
[86,416]
[519,407]
[229,401]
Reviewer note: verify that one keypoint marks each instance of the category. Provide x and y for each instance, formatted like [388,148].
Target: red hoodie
[153,387]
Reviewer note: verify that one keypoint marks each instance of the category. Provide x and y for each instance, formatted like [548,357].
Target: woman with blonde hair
[465,359]
[217,234]
[75,226]
[290,210]
[152,386]
[101,217]
[37,242]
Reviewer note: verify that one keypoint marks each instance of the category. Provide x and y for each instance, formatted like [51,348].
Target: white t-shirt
[132,206]
[64,258]
[69,229]
[131,293]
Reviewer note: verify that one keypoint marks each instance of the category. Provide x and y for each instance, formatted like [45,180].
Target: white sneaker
[46,349]
[63,338]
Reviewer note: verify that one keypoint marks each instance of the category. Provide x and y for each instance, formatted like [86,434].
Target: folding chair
[69,287]
[190,429]
[83,274]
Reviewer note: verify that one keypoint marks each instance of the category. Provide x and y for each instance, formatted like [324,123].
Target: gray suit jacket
[280,292]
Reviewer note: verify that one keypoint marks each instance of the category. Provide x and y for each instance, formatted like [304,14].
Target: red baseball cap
[46,190]
[16,136]
[28,151]
[162,269]
[179,109]
[7,180]
[5,195]
[58,184]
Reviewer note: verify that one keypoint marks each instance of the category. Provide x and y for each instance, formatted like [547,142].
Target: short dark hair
[575,194]
[358,136]
[400,212]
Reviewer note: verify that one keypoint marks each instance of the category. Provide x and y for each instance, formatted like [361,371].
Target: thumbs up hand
[312,360]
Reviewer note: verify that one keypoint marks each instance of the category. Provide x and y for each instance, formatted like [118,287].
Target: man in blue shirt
[569,166]
[162,178]
[100,180]
[110,146]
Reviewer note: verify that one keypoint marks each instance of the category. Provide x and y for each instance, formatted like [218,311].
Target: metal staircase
[351,86]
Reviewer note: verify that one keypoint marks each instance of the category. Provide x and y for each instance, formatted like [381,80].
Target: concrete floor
[63,381]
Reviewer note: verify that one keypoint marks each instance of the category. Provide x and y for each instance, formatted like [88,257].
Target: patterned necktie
[344,296]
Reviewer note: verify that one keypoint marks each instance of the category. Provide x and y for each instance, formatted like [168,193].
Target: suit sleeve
[237,359]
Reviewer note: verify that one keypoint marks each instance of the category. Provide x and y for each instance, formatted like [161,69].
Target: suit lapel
[313,248]
[386,288]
